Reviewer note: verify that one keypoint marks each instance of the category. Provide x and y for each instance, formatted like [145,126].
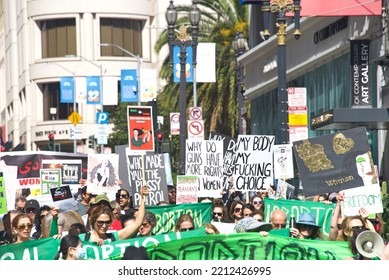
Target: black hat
[32,203]
[135,253]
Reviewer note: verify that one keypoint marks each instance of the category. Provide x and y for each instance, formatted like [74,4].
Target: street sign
[102,117]
[75,133]
[195,129]
[75,118]
[195,113]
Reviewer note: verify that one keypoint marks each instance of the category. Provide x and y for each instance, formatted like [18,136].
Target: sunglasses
[186,229]
[217,214]
[279,225]
[101,223]
[123,196]
[358,227]
[145,224]
[25,226]
[237,210]
[257,202]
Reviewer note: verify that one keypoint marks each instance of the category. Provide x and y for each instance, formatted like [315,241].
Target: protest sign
[3,201]
[50,178]
[229,156]
[368,197]
[254,162]
[335,162]
[149,170]
[103,173]
[63,199]
[140,128]
[204,158]
[283,162]
[320,210]
[187,188]
[9,180]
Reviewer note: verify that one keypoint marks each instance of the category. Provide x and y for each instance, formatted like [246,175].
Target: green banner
[192,245]
[167,215]
[46,248]
[249,246]
[320,210]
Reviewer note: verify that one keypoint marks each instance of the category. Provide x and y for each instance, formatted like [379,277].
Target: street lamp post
[139,61]
[240,46]
[280,8]
[74,97]
[101,85]
[183,40]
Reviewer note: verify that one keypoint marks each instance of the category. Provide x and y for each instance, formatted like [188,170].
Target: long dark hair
[67,241]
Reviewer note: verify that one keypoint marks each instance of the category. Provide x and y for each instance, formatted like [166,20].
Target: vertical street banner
[149,170]
[140,128]
[174,123]
[128,86]
[177,65]
[254,162]
[93,90]
[204,158]
[360,81]
[50,178]
[66,90]
[335,162]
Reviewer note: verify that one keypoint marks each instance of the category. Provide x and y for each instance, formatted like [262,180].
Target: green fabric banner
[45,249]
[192,245]
[249,246]
[167,215]
[320,210]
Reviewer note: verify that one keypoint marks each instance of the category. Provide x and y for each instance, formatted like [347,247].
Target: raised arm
[132,228]
[333,235]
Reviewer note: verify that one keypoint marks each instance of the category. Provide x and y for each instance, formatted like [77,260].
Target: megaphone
[369,244]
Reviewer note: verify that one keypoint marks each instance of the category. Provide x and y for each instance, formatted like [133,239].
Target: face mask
[81,253]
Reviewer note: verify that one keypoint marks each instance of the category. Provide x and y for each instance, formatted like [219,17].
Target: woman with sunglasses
[184,223]
[101,218]
[236,210]
[21,226]
[257,202]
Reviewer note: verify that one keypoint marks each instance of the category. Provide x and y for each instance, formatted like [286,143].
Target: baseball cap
[32,204]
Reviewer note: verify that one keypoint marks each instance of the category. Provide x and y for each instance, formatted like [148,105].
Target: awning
[347,118]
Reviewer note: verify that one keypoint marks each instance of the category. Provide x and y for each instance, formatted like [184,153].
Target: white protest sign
[368,197]
[204,158]
[283,162]
[254,162]
[187,188]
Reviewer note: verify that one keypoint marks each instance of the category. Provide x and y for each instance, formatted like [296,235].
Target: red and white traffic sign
[195,129]
[195,113]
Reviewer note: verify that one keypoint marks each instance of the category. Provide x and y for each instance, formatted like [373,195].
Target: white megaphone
[369,244]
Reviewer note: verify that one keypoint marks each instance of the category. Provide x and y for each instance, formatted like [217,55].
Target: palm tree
[220,21]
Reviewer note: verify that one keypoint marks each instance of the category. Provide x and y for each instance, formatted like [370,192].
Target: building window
[58,37]
[125,33]
[51,97]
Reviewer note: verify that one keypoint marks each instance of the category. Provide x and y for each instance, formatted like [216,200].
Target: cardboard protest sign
[254,164]
[187,189]
[283,162]
[229,156]
[103,173]
[140,128]
[368,197]
[204,158]
[71,171]
[149,170]
[50,178]
[335,162]
[63,198]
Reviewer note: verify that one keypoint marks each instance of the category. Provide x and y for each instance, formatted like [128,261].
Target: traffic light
[91,141]
[51,142]
[159,141]
[159,136]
